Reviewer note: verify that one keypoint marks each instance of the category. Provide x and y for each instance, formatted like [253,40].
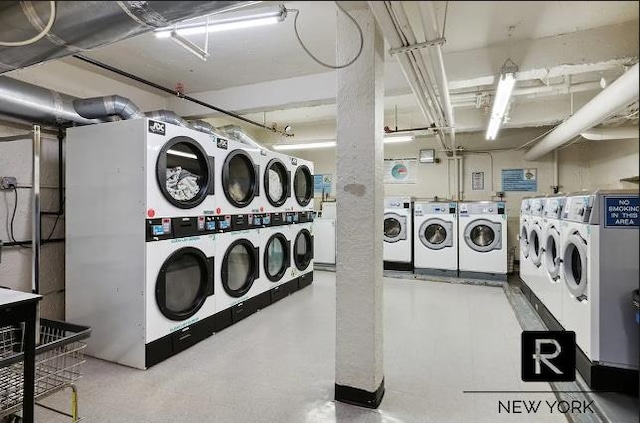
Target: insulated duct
[237,133]
[620,133]
[622,92]
[113,105]
[84,25]
[169,117]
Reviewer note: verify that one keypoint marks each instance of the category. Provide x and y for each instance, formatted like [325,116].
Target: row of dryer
[579,258]
[173,234]
[467,239]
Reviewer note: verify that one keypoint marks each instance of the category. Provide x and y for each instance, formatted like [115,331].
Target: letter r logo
[548,356]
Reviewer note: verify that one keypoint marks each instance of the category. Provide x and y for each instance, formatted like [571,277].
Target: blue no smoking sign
[622,212]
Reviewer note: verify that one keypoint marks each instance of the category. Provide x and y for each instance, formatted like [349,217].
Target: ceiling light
[503,95]
[229,24]
[305,146]
[398,138]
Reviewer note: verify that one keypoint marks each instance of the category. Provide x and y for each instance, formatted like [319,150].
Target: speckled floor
[278,365]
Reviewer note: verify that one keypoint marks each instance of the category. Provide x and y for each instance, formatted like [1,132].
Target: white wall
[15,160]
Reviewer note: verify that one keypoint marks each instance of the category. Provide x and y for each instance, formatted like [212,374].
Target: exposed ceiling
[479,35]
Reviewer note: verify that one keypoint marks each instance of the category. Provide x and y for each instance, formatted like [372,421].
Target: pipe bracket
[429,43]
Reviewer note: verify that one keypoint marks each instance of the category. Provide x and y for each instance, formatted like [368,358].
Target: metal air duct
[84,25]
[101,107]
[237,133]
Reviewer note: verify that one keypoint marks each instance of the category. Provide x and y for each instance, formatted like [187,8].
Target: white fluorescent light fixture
[229,24]
[503,95]
[305,146]
[392,139]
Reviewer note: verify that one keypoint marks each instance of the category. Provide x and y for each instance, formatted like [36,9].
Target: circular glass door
[536,245]
[181,286]
[239,268]
[433,234]
[239,178]
[183,172]
[574,258]
[276,183]
[276,257]
[551,253]
[303,185]
[524,242]
[303,249]
[483,235]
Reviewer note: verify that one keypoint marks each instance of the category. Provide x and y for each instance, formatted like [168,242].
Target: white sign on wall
[400,171]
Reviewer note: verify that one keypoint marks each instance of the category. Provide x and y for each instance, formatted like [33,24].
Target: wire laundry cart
[58,364]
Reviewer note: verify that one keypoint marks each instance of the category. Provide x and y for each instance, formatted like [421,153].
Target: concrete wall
[15,160]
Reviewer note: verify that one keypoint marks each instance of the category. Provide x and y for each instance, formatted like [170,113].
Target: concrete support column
[360,191]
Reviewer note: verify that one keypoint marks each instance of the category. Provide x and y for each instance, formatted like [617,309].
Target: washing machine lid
[277,257]
[303,185]
[240,267]
[436,234]
[303,249]
[552,258]
[184,172]
[536,246]
[240,178]
[395,227]
[183,283]
[277,182]
[574,265]
[483,235]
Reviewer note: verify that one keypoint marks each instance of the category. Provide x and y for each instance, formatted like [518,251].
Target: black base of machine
[262,300]
[305,280]
[397,265]
[171,344]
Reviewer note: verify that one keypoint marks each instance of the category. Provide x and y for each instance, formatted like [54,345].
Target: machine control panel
[553,208]
[537,206]
[179,227]
[525,206]
[397,203]
[422,209]
[482,207]
[291,217]
[578,208]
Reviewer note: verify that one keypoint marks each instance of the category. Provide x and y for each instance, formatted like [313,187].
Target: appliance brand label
[621,212]
[294,161]
[222,143]
[157,128]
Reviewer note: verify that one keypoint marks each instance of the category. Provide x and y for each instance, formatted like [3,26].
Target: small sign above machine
[621,212]
[519,180]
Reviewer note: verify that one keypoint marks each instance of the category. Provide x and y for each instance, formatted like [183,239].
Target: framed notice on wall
[322,184]
[519,180]
[400,171]
[477,181]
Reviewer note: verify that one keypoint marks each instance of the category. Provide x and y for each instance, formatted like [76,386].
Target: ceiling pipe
[620,133]
[622,92]
[432,31]
[84,25]
[101,107]
[390,32]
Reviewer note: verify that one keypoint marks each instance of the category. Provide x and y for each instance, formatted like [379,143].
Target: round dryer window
[184,172]
[276,257]
[239,178]
[181,286]
[435,234]
[303,249]
[574,257]
[303,185]
[239,268]
[276,182]
[482,235]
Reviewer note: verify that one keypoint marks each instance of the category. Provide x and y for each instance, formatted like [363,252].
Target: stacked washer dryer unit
[482,240]
[301,229]
[551,284]
[526,267]
[600,268]
[435,238]
[398,233]
[537,273]
[140,243]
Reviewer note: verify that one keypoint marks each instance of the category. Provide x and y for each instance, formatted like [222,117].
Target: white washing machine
[526,266]
[538,274]
[303,184]
[551,286]
[482,241]
[435,238]
[276,182]
[238,179]
[398,233]
[600,269]
[301,236]
[238,276]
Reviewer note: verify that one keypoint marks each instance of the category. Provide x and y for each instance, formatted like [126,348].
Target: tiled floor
[278,365]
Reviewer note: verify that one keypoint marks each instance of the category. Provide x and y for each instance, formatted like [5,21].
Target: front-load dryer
[303,184]
[277,272]
[482,241]
[301,235]
[398,233]
[599,256]
[277,180]
[435,238]
[538,274]
[551,285]
[238,276]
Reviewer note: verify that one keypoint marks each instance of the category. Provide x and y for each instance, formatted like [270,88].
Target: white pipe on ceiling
[622,92]
[620,133]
